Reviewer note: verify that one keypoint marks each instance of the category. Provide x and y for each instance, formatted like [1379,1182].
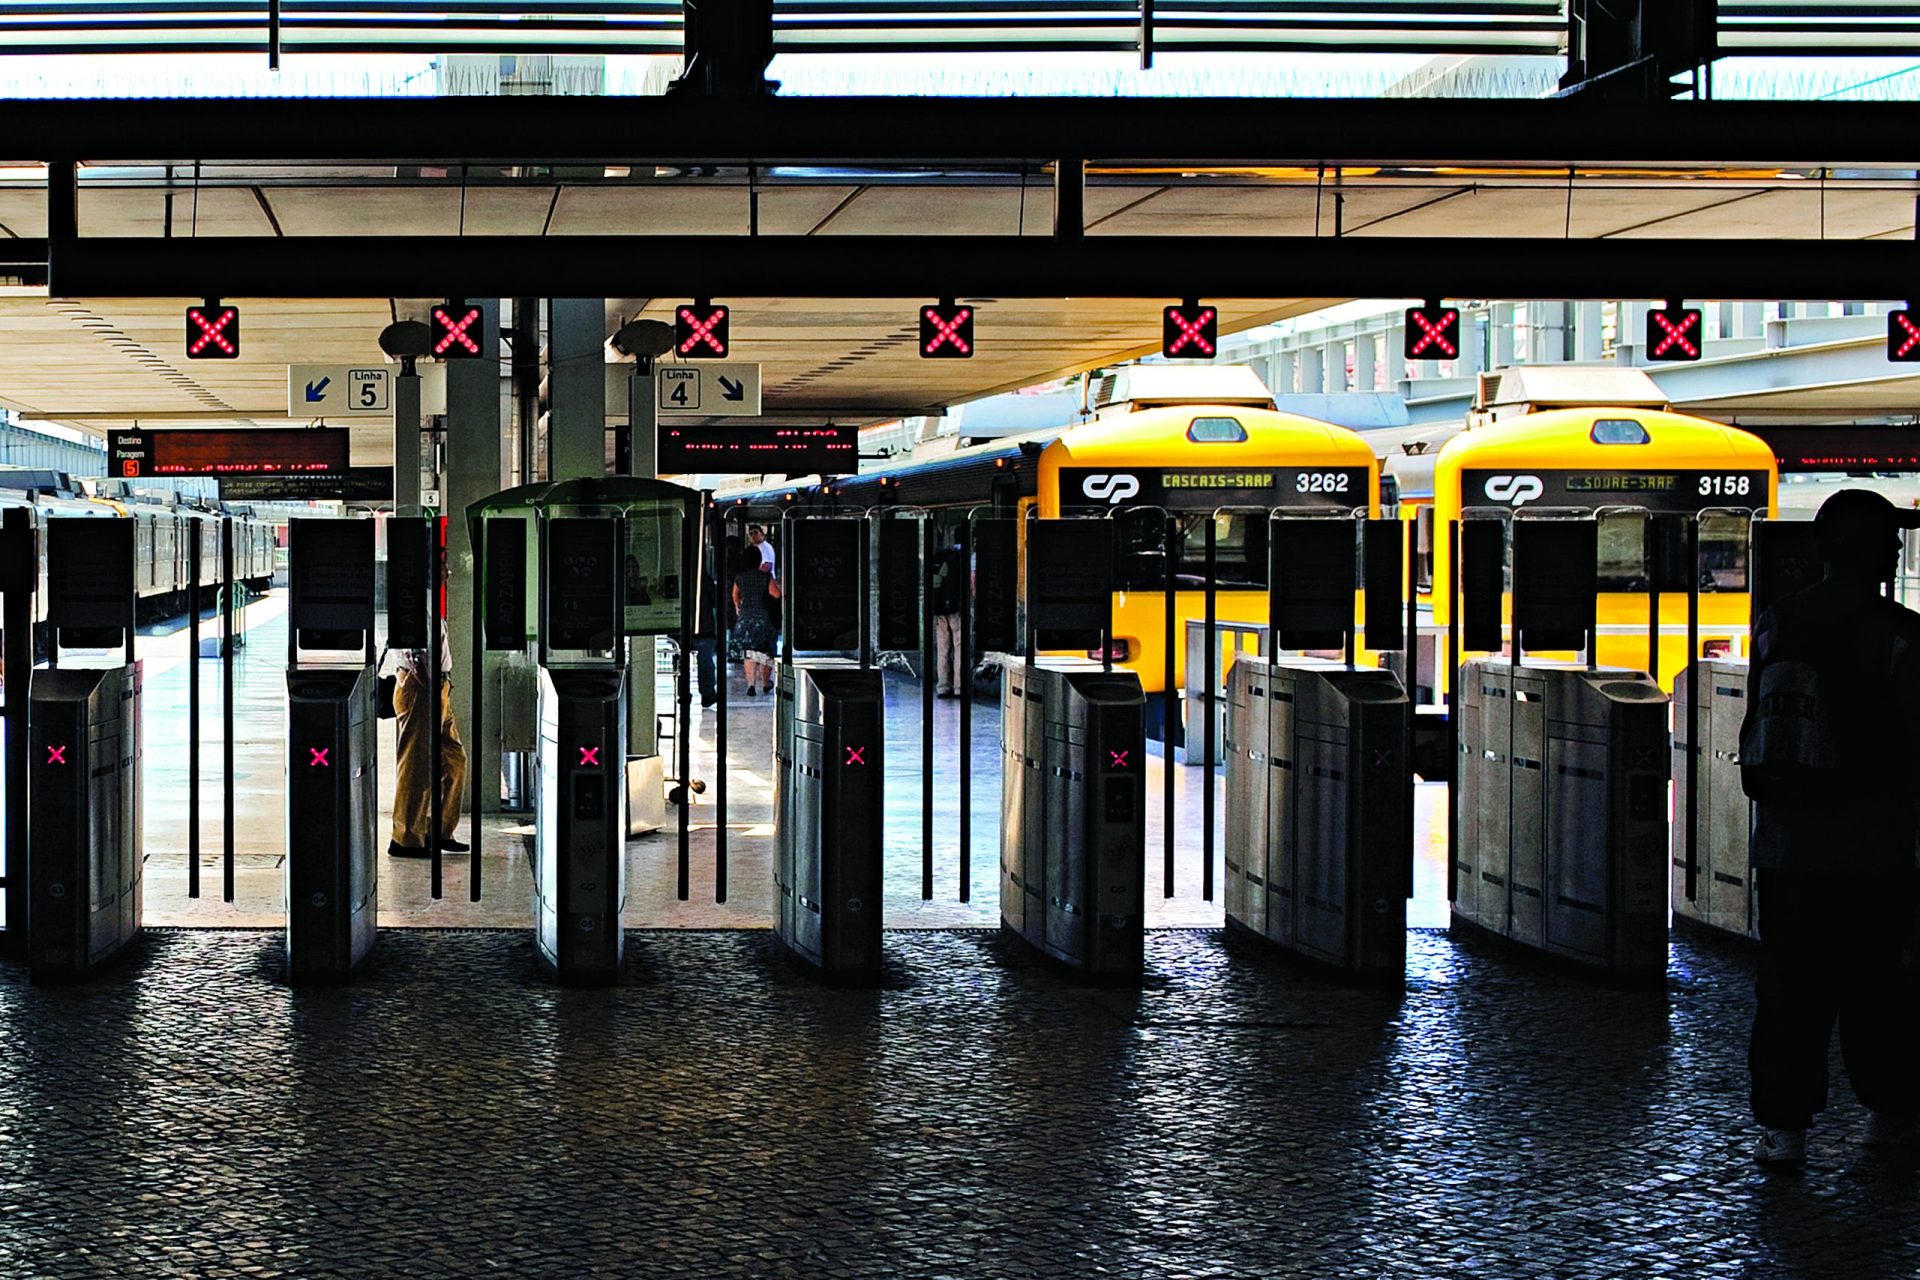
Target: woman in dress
[753,624]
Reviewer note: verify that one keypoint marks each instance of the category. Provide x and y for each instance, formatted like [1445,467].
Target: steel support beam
[917,267]
[1187,132]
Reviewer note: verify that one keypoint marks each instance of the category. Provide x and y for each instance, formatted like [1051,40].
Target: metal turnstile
[1723,896]
[1320,812]
[580,842]
[828,815]
[1072,814]
[1562,839]
[333,809]
[84,863]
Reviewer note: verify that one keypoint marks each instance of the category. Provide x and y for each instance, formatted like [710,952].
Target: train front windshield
[1240,550]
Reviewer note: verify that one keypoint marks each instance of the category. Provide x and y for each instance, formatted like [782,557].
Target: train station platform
[719,1115]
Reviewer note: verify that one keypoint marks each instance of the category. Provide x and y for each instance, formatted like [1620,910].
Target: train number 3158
[1725,486]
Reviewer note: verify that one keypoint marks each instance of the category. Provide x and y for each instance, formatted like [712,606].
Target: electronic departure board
[227,451]
[755,450]
[1843,448]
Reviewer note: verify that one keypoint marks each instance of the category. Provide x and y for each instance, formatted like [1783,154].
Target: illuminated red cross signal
[56,755]
[1674,334]
[1433,332]
[946,332]
[700,330]
[1119,758]
[317,757]
[856,755]
[454,331]
[1189,331]
[213,331]
[589,758]
[1903,337]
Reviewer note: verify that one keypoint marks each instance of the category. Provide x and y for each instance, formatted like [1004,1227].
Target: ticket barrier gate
[333,802]
[580,841]
[84,856]
[1562,814]
[829,815]
[1320,812]
[1072,814]
[1724,895]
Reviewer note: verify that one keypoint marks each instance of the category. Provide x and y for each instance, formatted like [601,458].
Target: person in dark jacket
[1834,692]
[947,582]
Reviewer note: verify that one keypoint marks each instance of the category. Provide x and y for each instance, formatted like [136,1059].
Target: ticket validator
[84,862]
[333,799]
[580,845]
[829,788]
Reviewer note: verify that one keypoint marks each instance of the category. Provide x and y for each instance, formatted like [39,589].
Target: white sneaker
[1885,1131]
[1781,1148]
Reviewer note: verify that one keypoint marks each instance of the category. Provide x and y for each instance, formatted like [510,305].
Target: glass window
[1239,554]
[1217,431]
[1619,431]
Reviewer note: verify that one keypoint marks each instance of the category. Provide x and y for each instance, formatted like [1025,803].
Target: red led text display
[213,332]
[700,331]
[454,330]
[227,451]
[1674,334]
[754,450]
[1189,332]
[1433,332]
[946,332]
[1842,448]
[1903,337]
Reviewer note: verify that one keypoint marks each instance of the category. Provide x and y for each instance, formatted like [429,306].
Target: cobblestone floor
[718,1115]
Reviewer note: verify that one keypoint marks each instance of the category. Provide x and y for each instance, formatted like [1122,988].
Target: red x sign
[56,755]
[317,757]
[453,331]
[213,332]
[1673,334]
[946,332]
[700,331]
[1119,758]
[589,758]
[1903,337]
[1189,331]
[1433,332]
[856,755]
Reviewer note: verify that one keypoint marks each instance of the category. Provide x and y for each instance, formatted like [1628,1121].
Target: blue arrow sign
[317,391]
[731,390]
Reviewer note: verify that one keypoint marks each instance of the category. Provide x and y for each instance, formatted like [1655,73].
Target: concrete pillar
[1589,337]
[577,388]
[1631,334]
[474,466]
[1336,358]
[1284,367]
[1473,340]
[1363,365]
[1393,354]
[1500,319]
[406,444]
[1312,372]
[1749,319]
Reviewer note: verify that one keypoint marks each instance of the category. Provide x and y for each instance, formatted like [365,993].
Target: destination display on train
[1190,488]
[791,450]
[1541,489]
[227,451]
[1843,448]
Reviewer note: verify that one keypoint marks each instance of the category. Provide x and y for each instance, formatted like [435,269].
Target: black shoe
[752,692]
[946,693]
[707,705]
[449,845]
[397,850]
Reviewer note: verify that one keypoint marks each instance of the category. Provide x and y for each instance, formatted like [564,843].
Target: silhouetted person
[1828,753]
[947,582]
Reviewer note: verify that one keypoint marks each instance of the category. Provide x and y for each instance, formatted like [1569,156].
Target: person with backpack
[946,579]
[1828,755]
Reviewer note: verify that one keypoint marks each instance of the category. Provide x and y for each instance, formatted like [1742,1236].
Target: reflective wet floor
[982,1115]
[653,860]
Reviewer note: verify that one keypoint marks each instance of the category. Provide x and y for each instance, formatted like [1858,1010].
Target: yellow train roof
[1160,435]
[1564,438]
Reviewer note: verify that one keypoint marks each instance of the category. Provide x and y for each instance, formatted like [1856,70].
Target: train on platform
[1168,449]
[164,534]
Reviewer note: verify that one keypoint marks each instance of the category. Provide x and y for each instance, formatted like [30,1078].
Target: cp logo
[1110,489]
[1515,491]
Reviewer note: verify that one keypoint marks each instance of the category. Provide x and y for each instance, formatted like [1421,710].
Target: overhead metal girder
[979,267]
[1190,132]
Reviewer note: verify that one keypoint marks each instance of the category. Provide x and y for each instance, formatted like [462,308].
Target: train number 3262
[1322,482]
[1725,486]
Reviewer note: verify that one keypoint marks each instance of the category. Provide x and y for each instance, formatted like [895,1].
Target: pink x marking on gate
[1119,758]
[1912,339]
[589,758]
[317,757]
[1192,331]
[1433,333]
[702,330]
[457,330]
[1673,335]
[947,331]
[856,755]
[210,332]
[56,755]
